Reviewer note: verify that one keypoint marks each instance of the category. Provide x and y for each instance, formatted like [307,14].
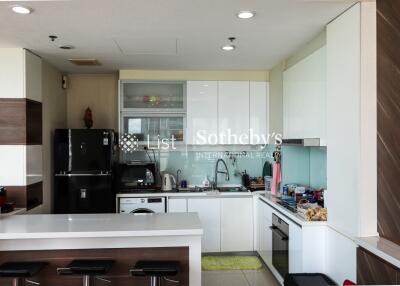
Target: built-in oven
[280,245]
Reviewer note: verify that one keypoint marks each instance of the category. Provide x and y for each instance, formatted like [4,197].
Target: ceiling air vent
[85,62]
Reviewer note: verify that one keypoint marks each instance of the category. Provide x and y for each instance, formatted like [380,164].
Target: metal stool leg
[17,282]
[88,280]
[155,281]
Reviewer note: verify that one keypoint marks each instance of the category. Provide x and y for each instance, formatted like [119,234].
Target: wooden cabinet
[372,270]
[237,224]
[304,98]
[233,112]
[258,112]
[202,112]
[208,210]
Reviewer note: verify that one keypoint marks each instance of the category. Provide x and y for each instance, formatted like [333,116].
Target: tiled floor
[261,277]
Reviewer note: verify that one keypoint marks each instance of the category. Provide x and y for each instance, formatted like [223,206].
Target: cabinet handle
[279,233]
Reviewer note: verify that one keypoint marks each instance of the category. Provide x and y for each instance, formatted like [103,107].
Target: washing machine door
[142,211]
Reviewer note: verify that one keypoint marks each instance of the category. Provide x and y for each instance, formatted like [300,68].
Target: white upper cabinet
[233,112]
[20,74]
[258,111]
[304,98]
[33,76]
[202,111]
[224,112]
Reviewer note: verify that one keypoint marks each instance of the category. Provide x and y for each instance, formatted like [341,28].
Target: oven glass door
[280,251]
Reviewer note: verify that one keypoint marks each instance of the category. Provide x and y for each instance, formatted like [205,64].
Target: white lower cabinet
[295,248]
[237,224]
[227,222]
[306,242]
[177,205]
[264,232]
[208,210]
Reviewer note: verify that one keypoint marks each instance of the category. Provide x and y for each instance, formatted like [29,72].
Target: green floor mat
[213,263]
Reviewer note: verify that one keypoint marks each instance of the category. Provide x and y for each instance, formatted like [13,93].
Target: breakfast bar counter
[146,236]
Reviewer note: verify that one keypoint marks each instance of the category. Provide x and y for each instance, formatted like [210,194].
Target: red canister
[3,196]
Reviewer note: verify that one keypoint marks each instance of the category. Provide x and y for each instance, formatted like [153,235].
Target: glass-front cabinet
[152,111]
[153,96]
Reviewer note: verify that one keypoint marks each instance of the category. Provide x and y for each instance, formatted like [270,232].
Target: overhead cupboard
[227,112]
[195,112]
[304,98]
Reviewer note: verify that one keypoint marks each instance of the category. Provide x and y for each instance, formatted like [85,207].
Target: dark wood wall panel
[388,27]
[372,270]
[12,121]
[26,196]
[33,122]
[34,195]
[119,275]
[20,122]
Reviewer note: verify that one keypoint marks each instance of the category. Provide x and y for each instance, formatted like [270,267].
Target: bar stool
[21,271]
[156,270]
[88,269]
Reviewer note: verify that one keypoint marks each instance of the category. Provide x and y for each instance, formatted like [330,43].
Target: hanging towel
[276,178]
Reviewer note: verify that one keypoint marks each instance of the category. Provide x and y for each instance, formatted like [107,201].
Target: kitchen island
[124,238]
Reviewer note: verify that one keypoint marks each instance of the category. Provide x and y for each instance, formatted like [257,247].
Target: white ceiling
[166,34]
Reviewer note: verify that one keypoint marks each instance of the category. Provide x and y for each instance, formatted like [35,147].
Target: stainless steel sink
[232,190]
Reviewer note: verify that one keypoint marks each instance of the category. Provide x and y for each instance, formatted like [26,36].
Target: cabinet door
[176,205]
[237,224]
[295,248]
[258,112]
[209,212]
[33,76]
[233,112]
[266,248]
[202,112]
[304,98]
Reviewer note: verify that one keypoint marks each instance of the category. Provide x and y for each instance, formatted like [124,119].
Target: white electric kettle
[168,182]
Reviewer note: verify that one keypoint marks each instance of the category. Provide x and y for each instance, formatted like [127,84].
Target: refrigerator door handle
[81,175]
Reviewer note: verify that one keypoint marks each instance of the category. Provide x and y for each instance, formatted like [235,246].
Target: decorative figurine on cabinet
[88,118]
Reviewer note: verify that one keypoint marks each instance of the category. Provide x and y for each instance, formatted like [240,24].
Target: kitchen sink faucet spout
[226,172]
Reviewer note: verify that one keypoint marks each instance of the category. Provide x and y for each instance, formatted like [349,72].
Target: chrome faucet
[179,171]
[226,172]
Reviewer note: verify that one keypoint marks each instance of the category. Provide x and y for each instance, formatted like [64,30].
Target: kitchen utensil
[168,182]
[245,179]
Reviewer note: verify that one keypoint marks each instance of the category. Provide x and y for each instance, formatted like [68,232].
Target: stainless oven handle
[279,233]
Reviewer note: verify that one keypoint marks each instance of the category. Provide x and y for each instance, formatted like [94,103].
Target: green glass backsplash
[195,165]
[304,165]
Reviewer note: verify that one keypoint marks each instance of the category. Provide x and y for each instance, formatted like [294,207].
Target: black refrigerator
[83,171]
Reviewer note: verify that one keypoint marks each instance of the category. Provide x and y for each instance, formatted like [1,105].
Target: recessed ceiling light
[228,48]
[245,14]
[231,46]
[21,10]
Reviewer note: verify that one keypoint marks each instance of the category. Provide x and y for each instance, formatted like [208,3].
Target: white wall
[97,91]
[54,116]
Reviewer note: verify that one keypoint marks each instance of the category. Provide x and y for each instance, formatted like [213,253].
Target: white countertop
[184,194]
[382,248]
[99,225]
[292,216]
